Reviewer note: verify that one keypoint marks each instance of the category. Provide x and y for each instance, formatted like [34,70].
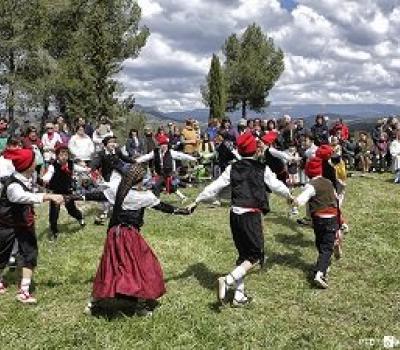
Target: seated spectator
[349,149]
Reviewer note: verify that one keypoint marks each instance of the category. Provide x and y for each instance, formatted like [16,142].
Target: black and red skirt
[128,267]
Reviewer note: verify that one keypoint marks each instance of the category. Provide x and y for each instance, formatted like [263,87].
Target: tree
[253,65]
[22,31]
[214,93]
[108,35]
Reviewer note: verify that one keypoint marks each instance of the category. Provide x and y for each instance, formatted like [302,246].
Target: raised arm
[215,187]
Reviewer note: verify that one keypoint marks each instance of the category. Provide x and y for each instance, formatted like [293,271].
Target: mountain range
[349,112]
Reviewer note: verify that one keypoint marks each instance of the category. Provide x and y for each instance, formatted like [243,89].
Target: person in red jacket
[341,127]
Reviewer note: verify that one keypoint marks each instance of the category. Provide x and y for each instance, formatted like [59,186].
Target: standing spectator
[228,132]
[148,142]
[363,154]
[171,129]
[87,126]
[32,140]
[342,127]
[102,131]
[133,144]
[319,130]
[4,134]
[62,128]
[49,140]
[176,140]
[212,129]
[189,136]
[300,132]
[81,145]
[395,152]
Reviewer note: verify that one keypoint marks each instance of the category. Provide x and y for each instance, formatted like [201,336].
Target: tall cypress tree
[253,65]
[214,94]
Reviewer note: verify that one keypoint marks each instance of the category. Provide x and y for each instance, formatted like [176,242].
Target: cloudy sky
[336,51]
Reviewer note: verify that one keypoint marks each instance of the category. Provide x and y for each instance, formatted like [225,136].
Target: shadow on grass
[292,260]
[285,221]
[202,273]
[297,240]
[121,307]
[64,229]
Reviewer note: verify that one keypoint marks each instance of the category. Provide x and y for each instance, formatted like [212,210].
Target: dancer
[59,178]
[248,179]
[323,204]
[128,266]
[17,220]
[164,165]
[106,160]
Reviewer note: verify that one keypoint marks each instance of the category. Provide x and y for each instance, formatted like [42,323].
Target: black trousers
[325,233]
[54,212]
[27,246]
[248,236]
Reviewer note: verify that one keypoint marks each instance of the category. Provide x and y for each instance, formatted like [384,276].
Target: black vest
[167,164]
[276,165]
[127,217]
[14,215]
[61,182]
[248,186]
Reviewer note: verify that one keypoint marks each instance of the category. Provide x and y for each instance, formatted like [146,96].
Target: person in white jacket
[395,152]
[81,145]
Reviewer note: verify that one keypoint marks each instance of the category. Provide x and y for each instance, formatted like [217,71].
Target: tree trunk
[45,115]
[11,89]
[244,105]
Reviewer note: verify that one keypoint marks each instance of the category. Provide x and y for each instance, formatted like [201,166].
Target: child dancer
[321,196]
[128,266]
[164,164]
[106,160]
[248,179]
[17,220]
[59,177]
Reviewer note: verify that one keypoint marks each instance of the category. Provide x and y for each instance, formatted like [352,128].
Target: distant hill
[346,111]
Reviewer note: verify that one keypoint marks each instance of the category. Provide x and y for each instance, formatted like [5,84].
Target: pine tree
[253,65]
[214,93]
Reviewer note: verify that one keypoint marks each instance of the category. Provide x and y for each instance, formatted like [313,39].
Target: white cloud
[335,50]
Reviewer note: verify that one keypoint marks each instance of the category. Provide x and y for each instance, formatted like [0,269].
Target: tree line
[252,65]
[66,53]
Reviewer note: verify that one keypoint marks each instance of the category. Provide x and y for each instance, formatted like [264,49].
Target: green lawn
[287,313]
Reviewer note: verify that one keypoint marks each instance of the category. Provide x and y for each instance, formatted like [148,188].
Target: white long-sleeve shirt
[175,155]
[134,200]
[224,180]
[16,194]
[50,171]
[81,147]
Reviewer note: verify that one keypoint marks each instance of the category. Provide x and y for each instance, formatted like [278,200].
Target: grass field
[287,313]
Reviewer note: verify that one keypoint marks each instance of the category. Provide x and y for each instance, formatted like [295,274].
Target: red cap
[324,152]
[313,167]
[162,139]
[246,144]
[270,137]
[22,159]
